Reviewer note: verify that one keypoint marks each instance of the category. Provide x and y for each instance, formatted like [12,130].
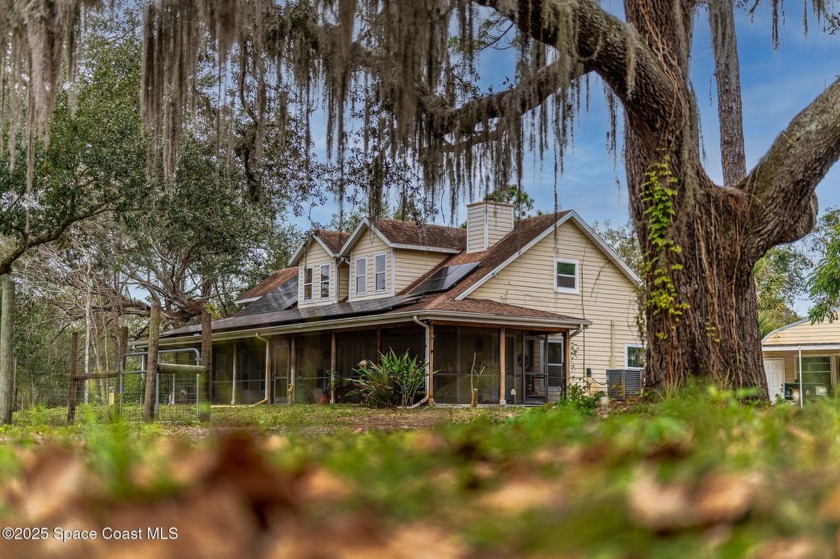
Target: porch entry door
[533,364]
[775,369]
[555,357]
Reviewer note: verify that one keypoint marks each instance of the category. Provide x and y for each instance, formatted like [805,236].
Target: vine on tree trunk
[659,208]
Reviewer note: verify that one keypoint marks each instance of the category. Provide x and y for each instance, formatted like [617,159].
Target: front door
[775,370]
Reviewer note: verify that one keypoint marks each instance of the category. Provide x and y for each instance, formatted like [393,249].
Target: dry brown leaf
[726,497]
[321,485]
[659,506]
[519,495]
[780,548]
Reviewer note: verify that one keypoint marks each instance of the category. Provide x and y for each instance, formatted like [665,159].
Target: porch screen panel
[280,371]
[250,372]
[221,383]
[466,358]
[312,381]
[351,348]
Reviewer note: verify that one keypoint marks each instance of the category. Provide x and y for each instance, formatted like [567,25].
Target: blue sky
[776,86]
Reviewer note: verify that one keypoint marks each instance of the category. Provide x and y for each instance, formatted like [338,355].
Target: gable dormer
[386,255]
[319,267]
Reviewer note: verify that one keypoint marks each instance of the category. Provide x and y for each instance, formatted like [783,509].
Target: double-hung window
[325,281]
[361,275]
[379,275]
[566,276]
[307,284]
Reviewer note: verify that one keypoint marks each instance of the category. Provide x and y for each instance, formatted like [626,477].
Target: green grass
[697,475]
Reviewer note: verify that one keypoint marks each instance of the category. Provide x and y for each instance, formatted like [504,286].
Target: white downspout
[428,358]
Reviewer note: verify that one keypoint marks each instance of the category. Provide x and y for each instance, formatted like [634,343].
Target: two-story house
[518,310]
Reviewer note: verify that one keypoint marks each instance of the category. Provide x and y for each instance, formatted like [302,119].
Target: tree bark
[7,350]
[728,79]
[152,363]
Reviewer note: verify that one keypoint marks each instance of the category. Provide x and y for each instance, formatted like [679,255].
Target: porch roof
[401,308]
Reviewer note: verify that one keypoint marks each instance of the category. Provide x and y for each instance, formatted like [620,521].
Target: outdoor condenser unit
[624,383]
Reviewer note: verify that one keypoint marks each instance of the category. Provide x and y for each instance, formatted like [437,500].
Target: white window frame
[305,284]
[576,288]
[322,282]
[376,272]
[627,356]
[357,275]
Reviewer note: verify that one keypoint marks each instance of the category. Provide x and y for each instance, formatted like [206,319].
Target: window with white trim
[634,356]
[566,275]
[379,273]
[307,284]
[325,281]
[361,275]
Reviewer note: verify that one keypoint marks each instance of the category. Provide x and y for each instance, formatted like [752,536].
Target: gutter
[428,361]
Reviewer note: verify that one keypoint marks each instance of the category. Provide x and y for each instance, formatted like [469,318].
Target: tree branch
[783,206]
[603,43]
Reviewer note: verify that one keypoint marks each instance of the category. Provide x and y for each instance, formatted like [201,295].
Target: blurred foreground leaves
[697,475]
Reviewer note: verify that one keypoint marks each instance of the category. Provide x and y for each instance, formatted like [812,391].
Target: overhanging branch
[782,184]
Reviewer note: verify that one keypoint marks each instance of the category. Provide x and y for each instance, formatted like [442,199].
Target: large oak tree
[408,71]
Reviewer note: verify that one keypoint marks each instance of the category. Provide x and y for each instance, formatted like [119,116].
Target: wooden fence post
[152,363]
[7,350]
[207,362]
[74,382]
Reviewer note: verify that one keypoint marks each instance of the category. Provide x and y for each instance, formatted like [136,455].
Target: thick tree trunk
[714,333]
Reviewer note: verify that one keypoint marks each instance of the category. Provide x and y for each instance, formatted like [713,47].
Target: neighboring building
[533,305]
[818,347]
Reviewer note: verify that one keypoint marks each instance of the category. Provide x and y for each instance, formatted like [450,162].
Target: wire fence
[49,396]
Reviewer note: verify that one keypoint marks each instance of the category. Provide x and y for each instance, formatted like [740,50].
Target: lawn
[697,475]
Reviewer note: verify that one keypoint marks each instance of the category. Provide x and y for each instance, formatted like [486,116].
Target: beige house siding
[606,297]
[806,333]
[343,280]
[314,257]
[368,246]
[411,264]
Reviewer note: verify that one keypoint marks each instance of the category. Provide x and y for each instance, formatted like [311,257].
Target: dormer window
[379,277]
[325,281]
[361,276]
[307,284]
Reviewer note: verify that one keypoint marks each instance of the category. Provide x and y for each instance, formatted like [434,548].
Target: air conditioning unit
[624,383]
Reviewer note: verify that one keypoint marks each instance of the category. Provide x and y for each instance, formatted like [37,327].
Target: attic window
[325,281]
[379,276]
[566,277]
[307,284]
[361,276]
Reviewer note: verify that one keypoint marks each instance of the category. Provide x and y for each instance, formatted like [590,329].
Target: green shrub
[396,380]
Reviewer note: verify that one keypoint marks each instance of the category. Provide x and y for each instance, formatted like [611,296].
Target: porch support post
[567,365]
[378,343]
[290,393]
[431,362]
[502,375]
[801,389]
[332,368]
[233,374]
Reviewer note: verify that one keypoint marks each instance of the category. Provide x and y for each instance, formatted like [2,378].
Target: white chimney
[487,223]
